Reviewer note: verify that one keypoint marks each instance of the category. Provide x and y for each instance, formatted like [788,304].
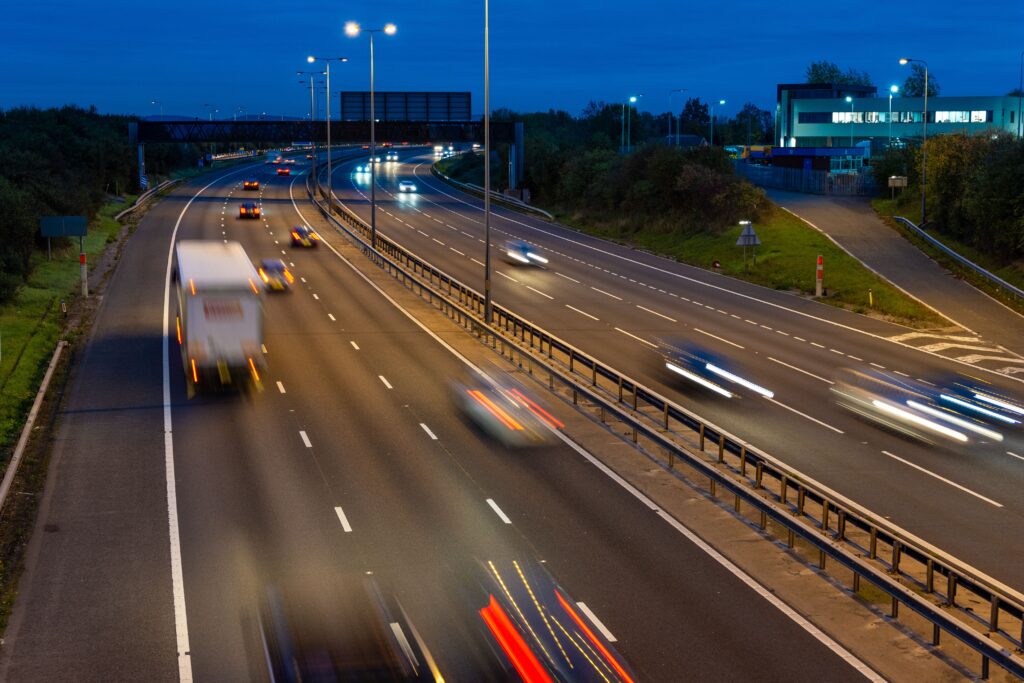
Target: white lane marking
[505,276]
[642,341]
[901,373]
[573,308]
[438,241]
[793,367]
[354,345]
[642,308]
[852,357]
[497,511]
[305,439]
[422,233]
[799,338]
[944,480]
[302,278]
[820,346]
[785,334]
[343,519]
[606,293]
[919,379]
[477,262]
[384,379]
[714,336]
[567,277]
[880,367]
[280,387]
[540,292]
[1014,455]
[317,297]
[837,351]
[331,316]
[597,622]
[173,532]
[812,419]
[263,347]
[457,251]
[429,433]
[746,320]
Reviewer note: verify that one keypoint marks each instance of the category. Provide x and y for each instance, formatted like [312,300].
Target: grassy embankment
[786,259]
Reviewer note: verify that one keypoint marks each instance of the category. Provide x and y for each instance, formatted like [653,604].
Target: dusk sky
[545,54]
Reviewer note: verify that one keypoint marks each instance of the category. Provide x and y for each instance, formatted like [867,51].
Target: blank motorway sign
[62,226]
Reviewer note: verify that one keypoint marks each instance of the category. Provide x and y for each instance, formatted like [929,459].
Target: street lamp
[924,140]
[330,180]
[353,29]
[670,114]
[712,122]
[312,108]
[893,89]
[212,109]
[1020,93]
[488,304]
[850,101]
[161,106]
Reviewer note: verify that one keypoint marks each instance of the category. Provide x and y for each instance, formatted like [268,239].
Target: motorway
[352,460]
[619,304]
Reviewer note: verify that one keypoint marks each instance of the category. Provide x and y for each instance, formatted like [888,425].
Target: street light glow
[849,99]
[352,28]
[390,29]
[632,98]
[894,89]
[904,61]
[311,59]
[721,101]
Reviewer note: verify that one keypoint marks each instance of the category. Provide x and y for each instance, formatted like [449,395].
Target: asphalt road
[618,304]
[352,460]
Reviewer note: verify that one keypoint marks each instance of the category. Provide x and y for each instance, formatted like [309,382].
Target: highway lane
[257,500]
[791,353]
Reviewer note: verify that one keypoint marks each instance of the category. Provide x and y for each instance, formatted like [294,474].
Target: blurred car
[391,156]
[406,186]
[309,156]
[350,630]
[284,170]
[251,185]
[289,160]
[275,275]
[710,371]
[362,169]
[304,236]
[541,632]
[522,253]
[506,414]
[248,210]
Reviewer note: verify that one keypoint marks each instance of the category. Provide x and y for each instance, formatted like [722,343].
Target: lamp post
[893,89]
[924,139]
[312,107]
[488,304]
[353,29]
[671,116]
[161,106]
[1020,93]
[712,123]
[330,178]
[212,109]
[850,101]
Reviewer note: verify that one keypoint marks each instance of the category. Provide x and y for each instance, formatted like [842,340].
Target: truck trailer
[220,315]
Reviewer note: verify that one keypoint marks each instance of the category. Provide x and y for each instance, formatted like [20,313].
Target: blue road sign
[62,226]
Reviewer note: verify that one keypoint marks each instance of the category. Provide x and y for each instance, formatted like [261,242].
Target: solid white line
[944,480]
[280,387]
[606,293]
[657,314]
[540,292]
[305,439]
[343,519]
[316,297]
[812,419]
[714,336]
[793,367]
[477,262]
[429,433]
[497,511]
[384,379]
[331,316]
[642,341]
[1011,453]
[505,276]
[354,345]
[173,531]
[597,622]
[582,312]
[567,277]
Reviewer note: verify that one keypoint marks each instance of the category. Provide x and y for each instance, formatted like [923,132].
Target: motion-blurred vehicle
[391,156]
[541,632]
[289,160]
[284,170]
[275,275]
[507,414]
[304,236]
[348,631]
[251,185]
[362,169]
[248,210]
[709,371]
[523,253]
[309,156]
[406,186]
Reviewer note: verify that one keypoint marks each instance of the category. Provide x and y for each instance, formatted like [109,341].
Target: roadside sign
[897,181]
[748,238]
[62,226]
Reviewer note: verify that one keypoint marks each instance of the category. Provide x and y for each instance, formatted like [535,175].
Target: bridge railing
[979,611]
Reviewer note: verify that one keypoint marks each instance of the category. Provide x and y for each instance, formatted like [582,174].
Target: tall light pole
[893,89]
[161,106]
[849,100]
[213,110]
[670,115]
[712,124]
[353,29]
[488,304]
[330,177]
[924,139]
[312,108]
[1020,93]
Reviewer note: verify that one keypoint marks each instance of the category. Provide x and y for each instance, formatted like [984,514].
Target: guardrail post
[712,486]
[873,546]
[635,392]
[702,437]
[993,618]
[950,588]
[894,612]
[929,574]
[984,668]
[841,526]
[736,502]
[783,485]
[572,357]
[721,448]
[593,377]
[896,557]
[764,520]
[856,582]
[936,634]
[824,515]
[620,388]
[801,497]
[666,416]
[743,455]
[790,538]
[575,397]
[821,560]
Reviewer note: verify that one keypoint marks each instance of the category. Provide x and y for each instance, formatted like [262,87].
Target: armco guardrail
[495,196]
[142,198]
[962,260]
[980,612]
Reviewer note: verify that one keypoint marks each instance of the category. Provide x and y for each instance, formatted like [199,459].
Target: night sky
[545,54]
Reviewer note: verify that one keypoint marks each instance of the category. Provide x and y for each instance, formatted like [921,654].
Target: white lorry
[220,315]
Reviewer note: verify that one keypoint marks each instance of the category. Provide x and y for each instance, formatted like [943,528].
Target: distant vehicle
[251,185]
[304,236]
[220,318]
[289,160]
[275,275]
[248,210]
[522,253]
[309,156]
[506,414]
[284,170]
[406,186]
[710,371]
[362,169]
[391,156]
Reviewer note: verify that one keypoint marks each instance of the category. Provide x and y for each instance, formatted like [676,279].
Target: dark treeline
[975,191]
[65,161]
[573,165]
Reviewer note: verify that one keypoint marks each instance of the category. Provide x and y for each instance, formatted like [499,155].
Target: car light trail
[739,380]
[959,422]
[699,380]
[978,409]
[1002,404]
[522,658]
[908,416]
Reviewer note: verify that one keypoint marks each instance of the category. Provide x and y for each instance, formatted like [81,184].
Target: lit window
[979,116]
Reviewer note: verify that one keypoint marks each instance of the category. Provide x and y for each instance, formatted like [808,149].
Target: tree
[694,119]
[914,85]
[828,72]
[753,125]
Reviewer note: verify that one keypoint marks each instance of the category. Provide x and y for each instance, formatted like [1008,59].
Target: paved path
[852,223]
